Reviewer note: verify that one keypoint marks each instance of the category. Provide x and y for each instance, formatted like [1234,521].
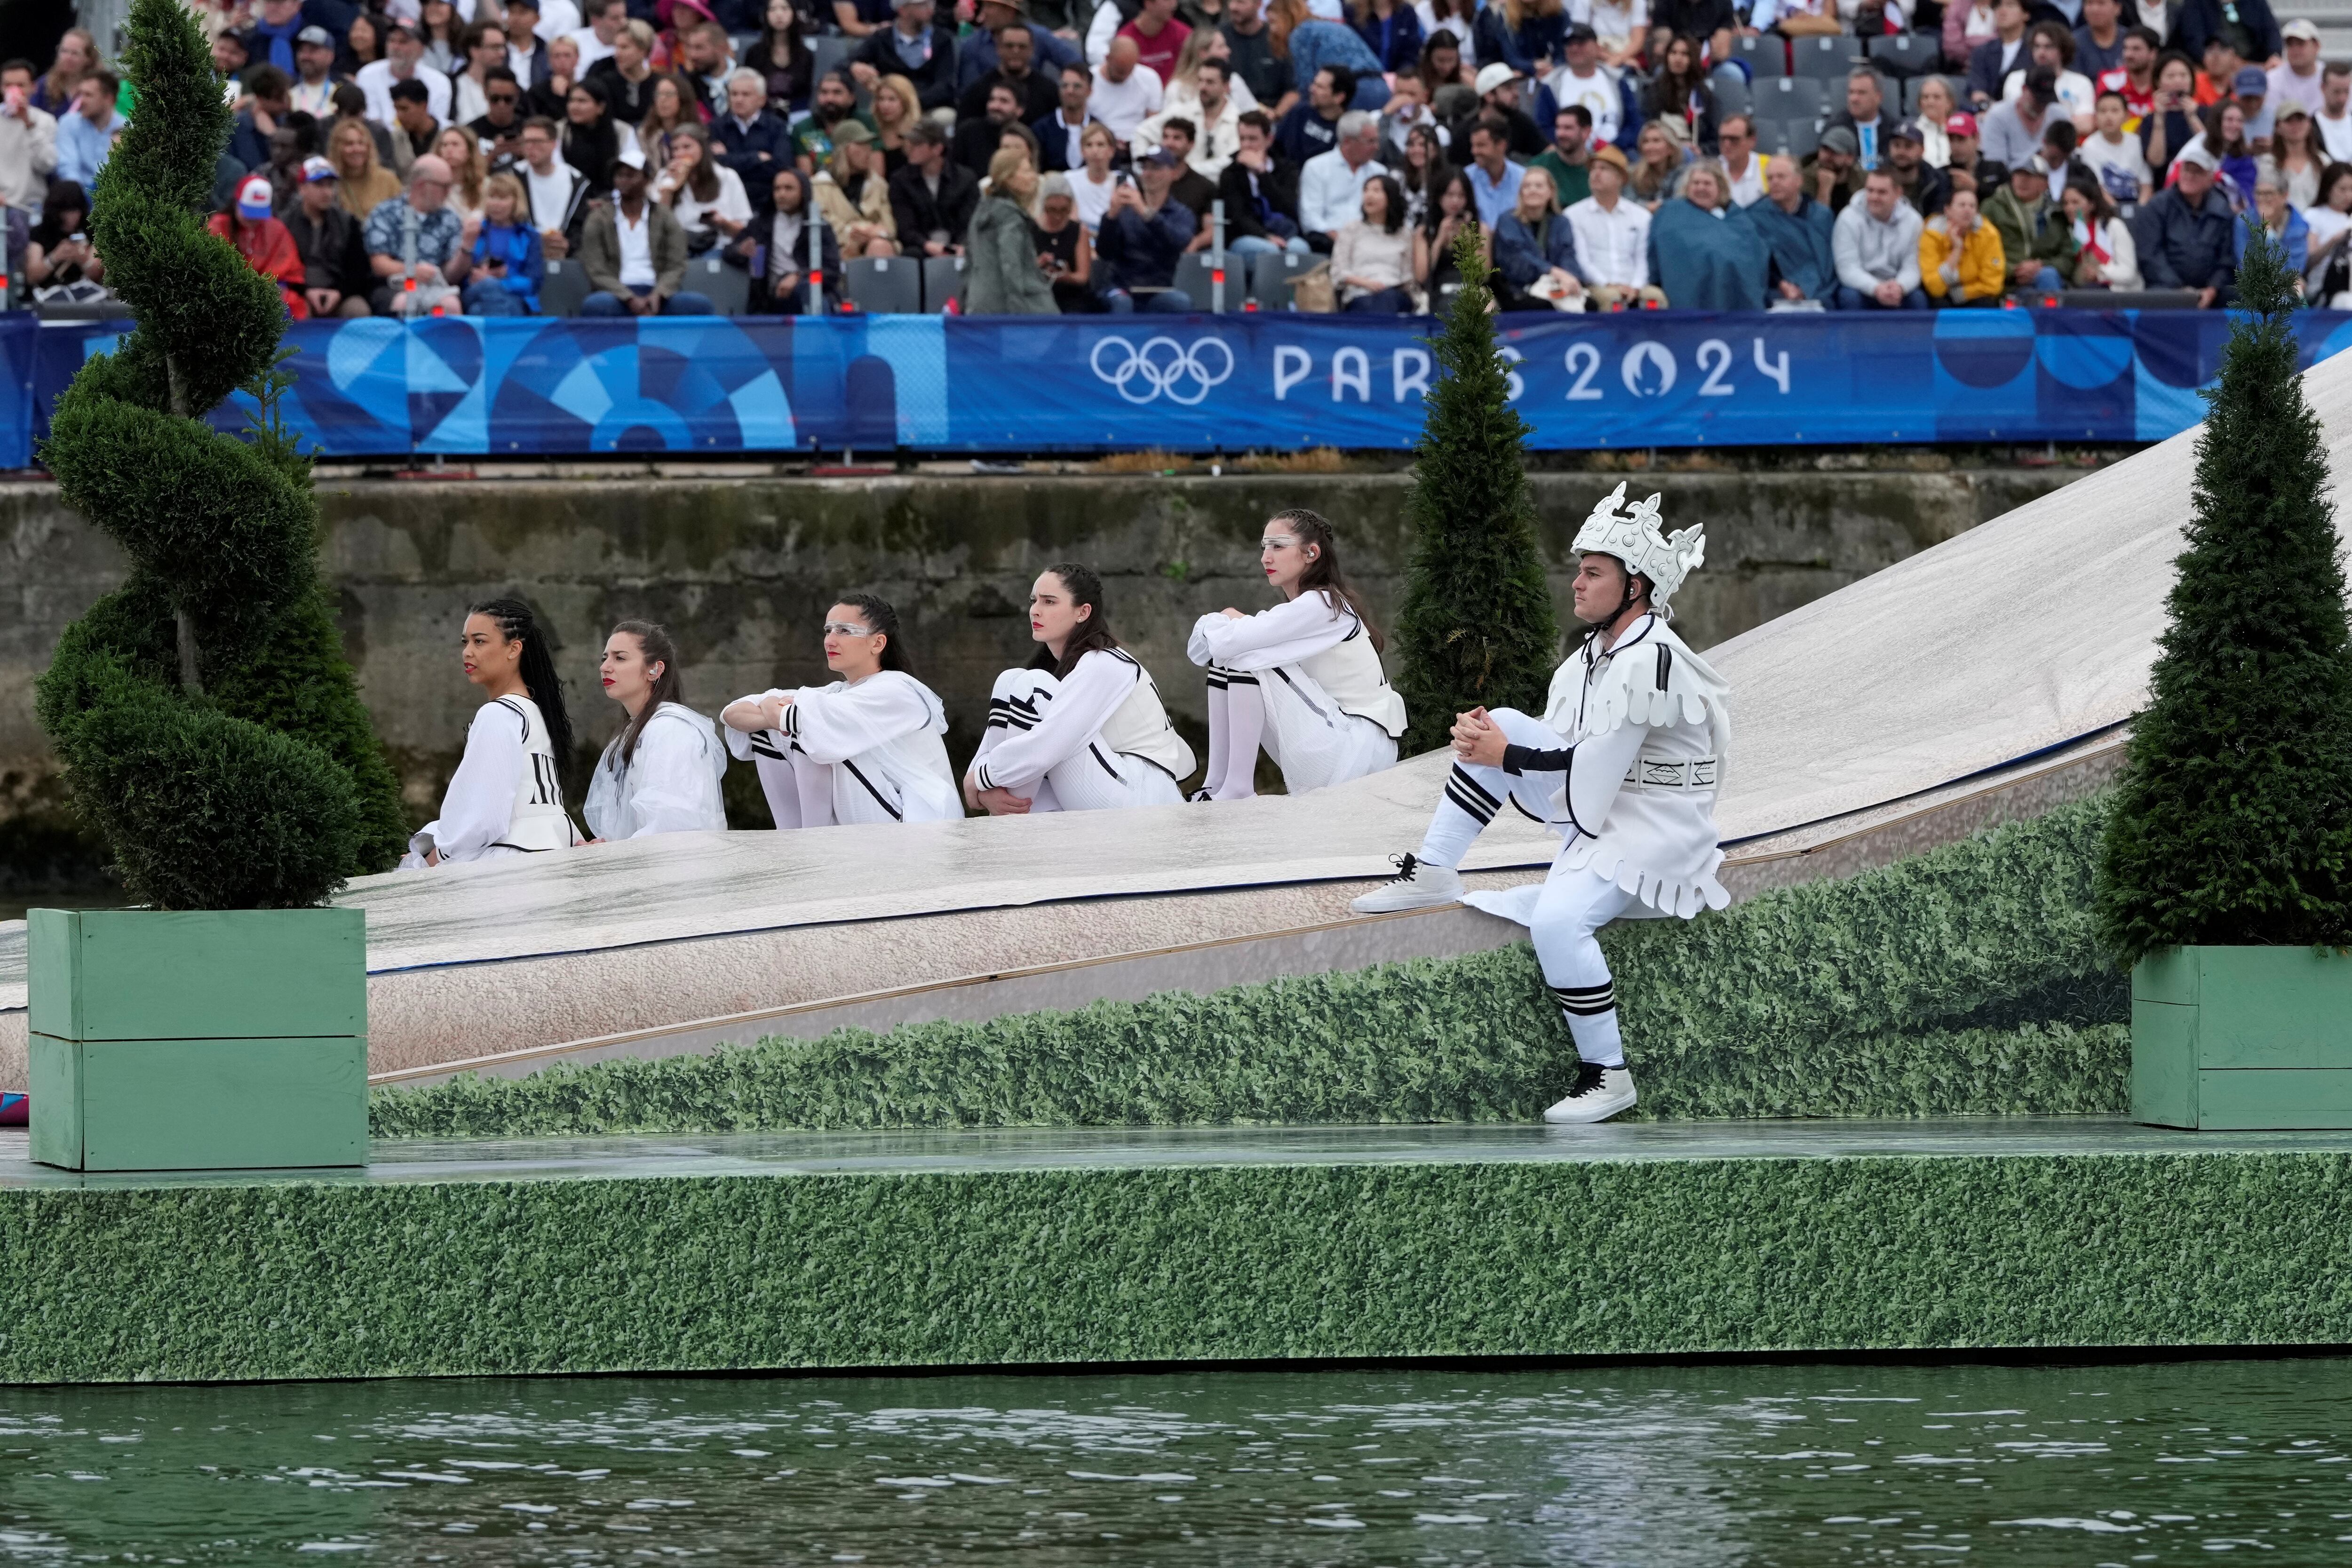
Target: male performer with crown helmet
[1623,765]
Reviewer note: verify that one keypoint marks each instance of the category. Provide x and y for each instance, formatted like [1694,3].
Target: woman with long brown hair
[661,773]
[462,150]
[1301,680]
[1081,727]
[706,197]
[667,111]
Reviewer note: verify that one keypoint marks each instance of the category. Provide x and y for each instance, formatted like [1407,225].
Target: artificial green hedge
[247,1279]
[1961,982]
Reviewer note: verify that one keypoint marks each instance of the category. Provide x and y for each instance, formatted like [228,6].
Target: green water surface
[1706,1465]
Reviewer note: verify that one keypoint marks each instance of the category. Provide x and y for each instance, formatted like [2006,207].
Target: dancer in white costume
[661,773]
[507,796]
[866,748]
[1623,765]
[1081,728]
[1303,680]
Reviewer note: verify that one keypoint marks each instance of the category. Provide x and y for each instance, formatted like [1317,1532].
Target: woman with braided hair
[507,796]
[1301,680]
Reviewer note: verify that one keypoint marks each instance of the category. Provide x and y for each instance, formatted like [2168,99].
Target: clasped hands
[1477,738]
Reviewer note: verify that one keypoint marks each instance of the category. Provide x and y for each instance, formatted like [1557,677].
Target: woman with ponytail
[865,748]
[661,773]
[507,796]
[1081,728]
[1302,680]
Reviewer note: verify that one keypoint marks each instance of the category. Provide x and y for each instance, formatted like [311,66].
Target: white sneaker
[1598,1094]
[1414,887]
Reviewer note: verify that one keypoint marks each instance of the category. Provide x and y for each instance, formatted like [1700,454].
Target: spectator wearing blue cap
[2251,87]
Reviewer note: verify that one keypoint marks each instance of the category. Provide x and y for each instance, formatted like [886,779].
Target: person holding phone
[28,140]
[58,253]
[2172,123]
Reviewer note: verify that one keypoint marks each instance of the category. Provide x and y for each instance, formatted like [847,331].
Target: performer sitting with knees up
[661,773]
[866,748]
[1623,765]
[1303,680]
[507,796]
[1081,728]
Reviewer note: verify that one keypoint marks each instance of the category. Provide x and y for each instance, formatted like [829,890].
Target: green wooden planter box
[227,1040]
[2241,1037]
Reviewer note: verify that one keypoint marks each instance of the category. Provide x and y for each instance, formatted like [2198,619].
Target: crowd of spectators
[433,155]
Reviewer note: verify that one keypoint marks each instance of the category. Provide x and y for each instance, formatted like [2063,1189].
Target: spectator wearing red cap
[264,243]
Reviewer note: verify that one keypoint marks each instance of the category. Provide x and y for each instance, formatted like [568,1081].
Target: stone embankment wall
[742,571]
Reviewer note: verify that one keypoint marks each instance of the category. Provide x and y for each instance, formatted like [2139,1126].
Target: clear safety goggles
[1277,542]
[847,629]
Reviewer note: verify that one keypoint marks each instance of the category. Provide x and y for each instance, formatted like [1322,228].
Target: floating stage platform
[1055,1247]
[1979,681]
[1985,681]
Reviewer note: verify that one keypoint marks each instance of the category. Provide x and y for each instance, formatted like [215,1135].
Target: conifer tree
[209,723]
[1478,627]
[2233,819]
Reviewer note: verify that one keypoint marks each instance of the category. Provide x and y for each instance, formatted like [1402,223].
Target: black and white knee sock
[1590,1012]
[1470,802]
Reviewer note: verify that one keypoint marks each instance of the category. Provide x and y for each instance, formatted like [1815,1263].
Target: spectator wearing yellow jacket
[1960,257]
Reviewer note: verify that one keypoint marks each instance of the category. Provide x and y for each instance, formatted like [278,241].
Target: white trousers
[1569,913]
[1285,711]
[1572,907]
[804,793]
[1091,778]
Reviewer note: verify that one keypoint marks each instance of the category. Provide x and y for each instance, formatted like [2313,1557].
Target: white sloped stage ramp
[1986,678]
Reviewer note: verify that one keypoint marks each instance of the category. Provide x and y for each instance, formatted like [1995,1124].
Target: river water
[1650,1465]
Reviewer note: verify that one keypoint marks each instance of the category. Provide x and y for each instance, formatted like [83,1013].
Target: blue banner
[713,384]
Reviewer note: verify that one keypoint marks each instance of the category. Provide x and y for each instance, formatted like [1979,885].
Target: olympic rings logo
[1163,366]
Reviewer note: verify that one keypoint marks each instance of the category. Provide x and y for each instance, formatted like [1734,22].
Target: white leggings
[1092,778]
[1283,710]
[804,793]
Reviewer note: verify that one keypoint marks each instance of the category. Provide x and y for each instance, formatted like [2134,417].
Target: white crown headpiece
[1634,538]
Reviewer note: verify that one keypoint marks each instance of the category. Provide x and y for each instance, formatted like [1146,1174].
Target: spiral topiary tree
[1478,627]
[2232,823]
[208,721]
